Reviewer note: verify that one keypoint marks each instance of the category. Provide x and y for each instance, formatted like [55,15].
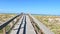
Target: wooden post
[4,30]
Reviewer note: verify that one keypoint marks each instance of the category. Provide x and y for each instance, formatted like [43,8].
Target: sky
[30,6]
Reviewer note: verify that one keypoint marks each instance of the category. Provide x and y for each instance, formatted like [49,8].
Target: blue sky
[30,6]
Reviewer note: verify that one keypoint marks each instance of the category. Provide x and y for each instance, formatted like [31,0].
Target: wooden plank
[29,27]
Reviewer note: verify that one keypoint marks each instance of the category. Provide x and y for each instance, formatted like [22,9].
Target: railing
[9,22]
[42,27]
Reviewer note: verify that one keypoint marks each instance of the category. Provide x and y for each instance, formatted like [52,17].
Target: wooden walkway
[25,26]
[28,27]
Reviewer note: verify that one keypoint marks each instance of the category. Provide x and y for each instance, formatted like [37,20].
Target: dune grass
[5,17]
[53,24]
